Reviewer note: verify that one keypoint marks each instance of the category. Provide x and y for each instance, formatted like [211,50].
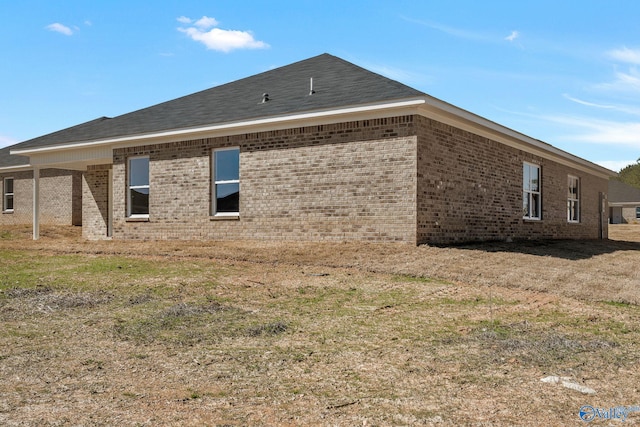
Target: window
[573,200]
[226,182]
[531,194]
[7,195]
[138,187]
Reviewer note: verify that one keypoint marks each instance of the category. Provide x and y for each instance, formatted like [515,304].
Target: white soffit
[20,168]
[72,158]
[454,116]
[101,150]
[259,125]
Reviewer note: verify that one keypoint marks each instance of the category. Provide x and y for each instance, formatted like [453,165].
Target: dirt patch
[339,334]
[23,301]
[598,270]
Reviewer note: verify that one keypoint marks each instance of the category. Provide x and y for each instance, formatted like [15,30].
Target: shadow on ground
[573,250]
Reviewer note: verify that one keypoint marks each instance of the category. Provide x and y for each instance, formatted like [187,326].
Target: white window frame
[531,194]
[573,199]
[215,183]
[136,187]
[5,194]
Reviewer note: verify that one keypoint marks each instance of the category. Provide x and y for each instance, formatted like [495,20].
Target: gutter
[425,105]
[20,168]
[255,125]
[474,123]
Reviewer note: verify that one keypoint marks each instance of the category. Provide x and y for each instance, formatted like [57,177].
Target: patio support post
[36,203]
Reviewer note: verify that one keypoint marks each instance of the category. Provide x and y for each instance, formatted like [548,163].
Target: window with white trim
[573,199]
[225,199]
[531,192]
[138,187]
[7,195]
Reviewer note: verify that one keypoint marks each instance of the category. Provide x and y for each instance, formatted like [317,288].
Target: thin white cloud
[610,117]
[627,81]
[616,165]
[400,74]
[631,56]
[6,141]
[219,39]
[614,107]
[462,33]
[205,23]
[588,129]
[511,37]
[587,103]
[60,28]
[457,32]
[623,82]
[452,31]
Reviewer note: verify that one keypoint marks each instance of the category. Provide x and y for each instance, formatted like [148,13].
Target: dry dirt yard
[335,334]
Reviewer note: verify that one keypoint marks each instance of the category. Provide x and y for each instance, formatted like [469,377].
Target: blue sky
[564,72]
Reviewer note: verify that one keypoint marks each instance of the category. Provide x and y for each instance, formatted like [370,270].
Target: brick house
[624,203]
[317,150]
[63,190]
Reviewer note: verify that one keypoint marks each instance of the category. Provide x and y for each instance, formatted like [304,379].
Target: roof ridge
[337,83]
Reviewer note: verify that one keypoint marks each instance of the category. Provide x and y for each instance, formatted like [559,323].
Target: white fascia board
[407,106]
[624,204]
[426,105]
[20,168]
[465,120]
[73,159]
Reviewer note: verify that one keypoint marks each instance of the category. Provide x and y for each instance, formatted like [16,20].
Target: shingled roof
[7,160]
[619,192]
[336,83]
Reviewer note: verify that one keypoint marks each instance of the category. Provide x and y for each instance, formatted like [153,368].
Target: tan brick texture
[60,198]
[407,179]
[95,205]
[470,189]
[350,181]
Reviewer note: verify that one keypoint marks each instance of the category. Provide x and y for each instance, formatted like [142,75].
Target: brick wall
[361,190]
[470,188]
[60,198]
[349,181]
[95,206]
[408,179]
[22,199]
[629,214]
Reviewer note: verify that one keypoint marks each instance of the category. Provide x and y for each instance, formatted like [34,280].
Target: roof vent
[311,91]
[265,98]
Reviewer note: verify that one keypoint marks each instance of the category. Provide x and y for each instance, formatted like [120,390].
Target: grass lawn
[97,335]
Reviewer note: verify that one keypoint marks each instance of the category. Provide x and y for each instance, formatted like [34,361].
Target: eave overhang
[79,154]
[240,127]
[624,204]
[19,168]
[465,120]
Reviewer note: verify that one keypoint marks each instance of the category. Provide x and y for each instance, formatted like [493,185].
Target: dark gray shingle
[337,83]
[8,160]
[619,192]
